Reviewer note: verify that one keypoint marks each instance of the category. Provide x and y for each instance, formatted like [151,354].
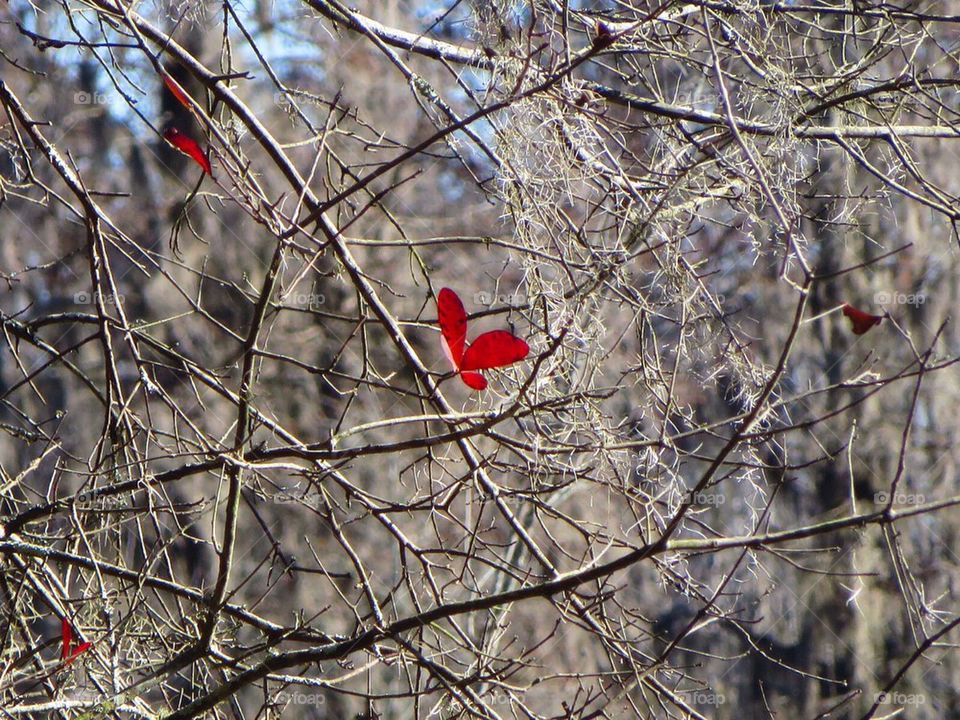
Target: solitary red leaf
[188,146]
[860,321]
[493,349]
[66,633]
[67,651]
[175,90]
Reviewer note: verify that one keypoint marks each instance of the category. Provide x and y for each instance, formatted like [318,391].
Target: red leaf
[453,325]
[67,652]
[494,349]
[81,648]
[474,380]
[860,321]
[188,146]
[66,633]
[491,350]
[175,90]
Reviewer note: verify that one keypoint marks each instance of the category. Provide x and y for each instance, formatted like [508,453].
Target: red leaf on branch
[493,349]
[860,321]
[188,146]
[177,92]
[66,633]
[67,652]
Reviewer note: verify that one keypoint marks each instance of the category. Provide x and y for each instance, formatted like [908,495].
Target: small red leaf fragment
[67,652]
[66,634]
[860,321]
[177,92]
[81,648]
[188,146]
[474,380]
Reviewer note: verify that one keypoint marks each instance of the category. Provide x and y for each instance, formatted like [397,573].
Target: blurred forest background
[234,458]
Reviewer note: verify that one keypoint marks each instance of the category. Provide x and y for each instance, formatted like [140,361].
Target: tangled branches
[237,464]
